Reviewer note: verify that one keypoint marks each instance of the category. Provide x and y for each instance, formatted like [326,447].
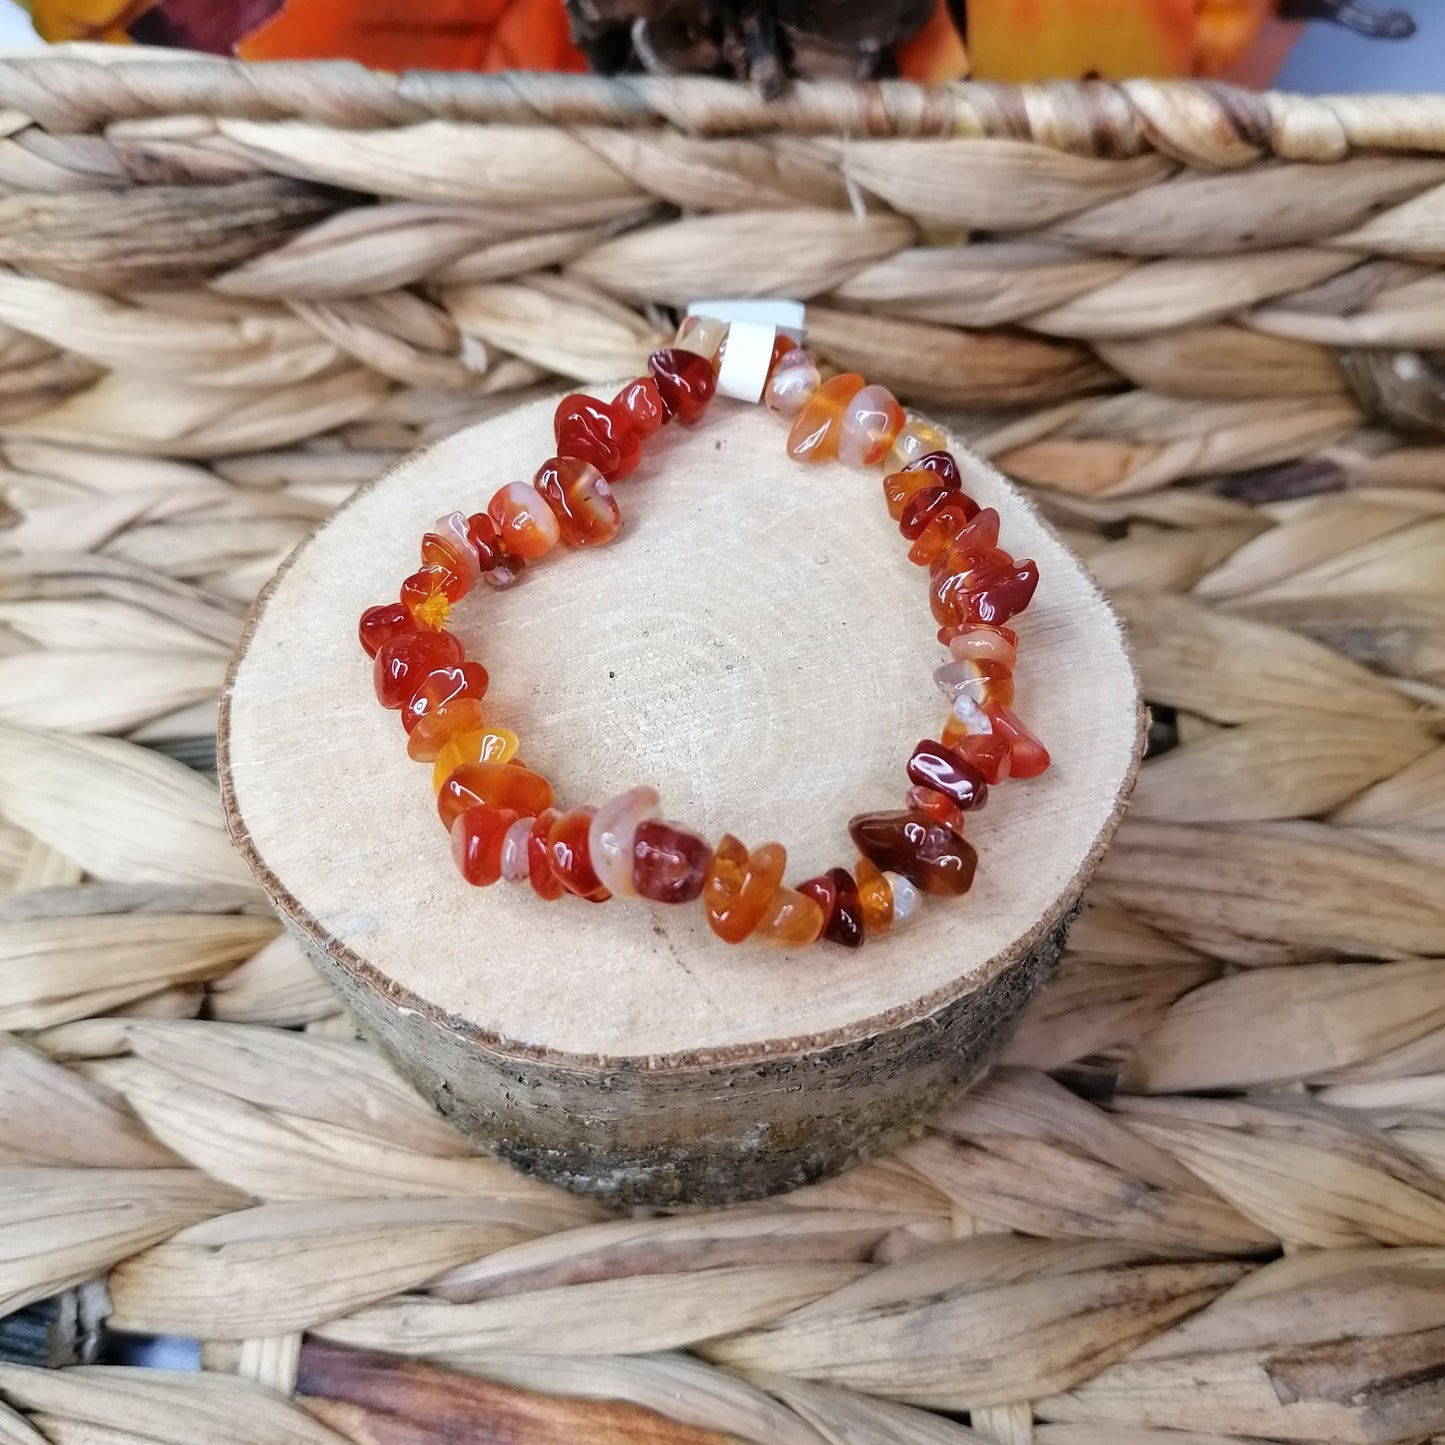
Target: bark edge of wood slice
[755,644]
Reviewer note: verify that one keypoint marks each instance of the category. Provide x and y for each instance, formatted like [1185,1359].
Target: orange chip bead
[581,499]
[818,426]
[875,897]
[740,885]
[503,785]
[525,523]
[440,551]
[570,855]
[791,920]
[443,685]
[434,731]
[428,595]
[489,745]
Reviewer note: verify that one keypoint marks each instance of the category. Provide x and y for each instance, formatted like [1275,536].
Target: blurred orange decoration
[1006,40]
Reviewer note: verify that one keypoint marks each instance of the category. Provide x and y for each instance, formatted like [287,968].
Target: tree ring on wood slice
[756,644]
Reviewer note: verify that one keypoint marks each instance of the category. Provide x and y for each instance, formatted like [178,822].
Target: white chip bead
[612,834]
[453,526]
[971,715]
[905,898]
[515,867]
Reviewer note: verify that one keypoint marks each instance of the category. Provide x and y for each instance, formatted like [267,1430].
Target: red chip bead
[956,576]
[958,523]
[924,800]
[942,465]
[403,661]
[685,381]
[486,541]
[836,894]
[440,686]
[545,883]
[597,432]
[1003,595]
[928,854]
[920,508]
[1028,757]
[988,752]
[669,864]
[642,402]
[583,503]
[570,856]
[381,624]
[477,837]
[935,766]
[525,522]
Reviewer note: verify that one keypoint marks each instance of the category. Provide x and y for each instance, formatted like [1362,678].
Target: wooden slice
[756,644]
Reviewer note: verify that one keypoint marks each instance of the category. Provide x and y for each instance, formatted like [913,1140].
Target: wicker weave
[1207,1192]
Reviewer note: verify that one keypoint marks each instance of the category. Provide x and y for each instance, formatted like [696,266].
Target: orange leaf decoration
[437,35]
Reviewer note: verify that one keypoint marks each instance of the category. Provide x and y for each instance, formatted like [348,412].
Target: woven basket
[1206,1192]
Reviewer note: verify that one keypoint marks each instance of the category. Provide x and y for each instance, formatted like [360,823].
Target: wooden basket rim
[77,88]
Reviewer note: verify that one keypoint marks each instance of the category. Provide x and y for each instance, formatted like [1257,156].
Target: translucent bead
[614,826]
[381,624]
[935,766]
[526,524]
[836,894]
[816,429]
[571,858]
[685,382]
[597,432]
[515,868]
[957,523]
[921,509]
[870,422]
[900,488]
[1028,757]
[930,855]
[428,595]
[916,438]
[669,864]
[433,732]
[544,881]
[486,544]
[875,895]
[956,579]
[491,745]
[740,885]
[403,661]
[451,527]
[703,335]
[792,382]
[506,571]
[443,685]
[578,494]
[642,402]
[982,681]
[988,752]
[441,551]
[477,837]
[924,800]
[980,642]
[503,785]
[791,920]
[999,597]
[980,535]
[943,465]
[906,899]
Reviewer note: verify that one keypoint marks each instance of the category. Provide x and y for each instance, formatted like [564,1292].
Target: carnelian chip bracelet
[502,815]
